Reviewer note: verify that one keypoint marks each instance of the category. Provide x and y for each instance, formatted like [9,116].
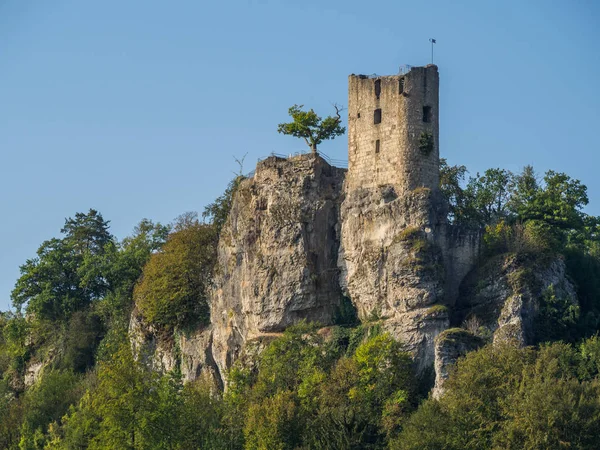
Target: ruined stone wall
[388,152]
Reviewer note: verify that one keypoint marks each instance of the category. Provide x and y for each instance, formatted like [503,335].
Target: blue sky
[138,108]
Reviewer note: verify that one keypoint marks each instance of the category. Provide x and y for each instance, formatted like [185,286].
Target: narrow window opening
[358,116]
[377,116]
[401,85]
[377,88]
[426,114]
[377,146]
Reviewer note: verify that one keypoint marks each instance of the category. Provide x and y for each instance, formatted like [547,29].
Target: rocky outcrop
[189,352]
[295,242]
[277,256]
[504,295]
[449,346]
[33,372]
[394,263]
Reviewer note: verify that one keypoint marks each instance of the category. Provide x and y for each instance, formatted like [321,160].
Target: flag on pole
[432,41]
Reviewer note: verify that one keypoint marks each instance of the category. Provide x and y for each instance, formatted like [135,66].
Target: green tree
[312,128]
[11,416]
[488,197]
[172,289]
[46,402]
[65,275]
[502,397]
[121,410]
[201,422]
[367,396]
[451,179]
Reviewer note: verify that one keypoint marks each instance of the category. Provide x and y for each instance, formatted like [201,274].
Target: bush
[172,289]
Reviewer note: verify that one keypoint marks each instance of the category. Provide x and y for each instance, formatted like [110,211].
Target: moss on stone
[437,309]
[409,234]
[454,335]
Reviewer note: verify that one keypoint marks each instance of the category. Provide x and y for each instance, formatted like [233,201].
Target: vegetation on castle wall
[426,143]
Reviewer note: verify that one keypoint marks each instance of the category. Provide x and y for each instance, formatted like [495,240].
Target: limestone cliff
[392,265]
[501,302]
[301,235]
[297,241]
[504,294]
[449,346]
[277,256]
[189,351]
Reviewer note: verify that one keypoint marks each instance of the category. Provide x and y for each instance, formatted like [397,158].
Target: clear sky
[137,108]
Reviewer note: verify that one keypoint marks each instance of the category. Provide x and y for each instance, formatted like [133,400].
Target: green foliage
[437,309]
[549,210]
[66,275]
[82,336]
[11,416]
[345,313]
[126,408]
[426,143]
[312,128]
[488,197]
[451,178]
[218,211]
[45,403]
[501,397]
[308,394]
[557,317]
[409,234]
[172,289]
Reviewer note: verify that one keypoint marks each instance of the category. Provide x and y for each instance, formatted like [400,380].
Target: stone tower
[394,130]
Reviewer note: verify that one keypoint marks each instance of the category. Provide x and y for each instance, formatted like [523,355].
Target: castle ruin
[393,130]
[302,236]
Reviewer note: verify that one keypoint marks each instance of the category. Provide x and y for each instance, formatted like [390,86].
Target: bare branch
[338,110]
[240,163]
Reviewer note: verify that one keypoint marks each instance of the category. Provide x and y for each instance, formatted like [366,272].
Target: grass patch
[437,309]
[409,234]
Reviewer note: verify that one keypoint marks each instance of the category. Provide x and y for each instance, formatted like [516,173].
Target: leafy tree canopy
[65,276]
[312,128]
[172,289]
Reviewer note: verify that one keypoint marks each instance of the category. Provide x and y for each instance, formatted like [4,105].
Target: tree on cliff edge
[312,128]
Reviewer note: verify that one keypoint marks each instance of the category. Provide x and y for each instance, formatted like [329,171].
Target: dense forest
[348,386]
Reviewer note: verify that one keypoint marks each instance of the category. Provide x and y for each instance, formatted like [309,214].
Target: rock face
[190,351]
[500,302]
[296,242]
[449,346]
[393,266]
[504,295]
[277,256]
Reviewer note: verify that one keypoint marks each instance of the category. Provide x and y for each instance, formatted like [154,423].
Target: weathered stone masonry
[388,153]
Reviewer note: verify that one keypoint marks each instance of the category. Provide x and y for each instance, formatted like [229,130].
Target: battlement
[393,130]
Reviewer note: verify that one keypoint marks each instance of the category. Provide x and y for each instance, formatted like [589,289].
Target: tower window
[377,88]
[377,146]
[426,114]
[358,116]
[377,116]
[401,85]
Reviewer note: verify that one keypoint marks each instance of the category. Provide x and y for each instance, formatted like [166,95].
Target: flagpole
[432,42]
